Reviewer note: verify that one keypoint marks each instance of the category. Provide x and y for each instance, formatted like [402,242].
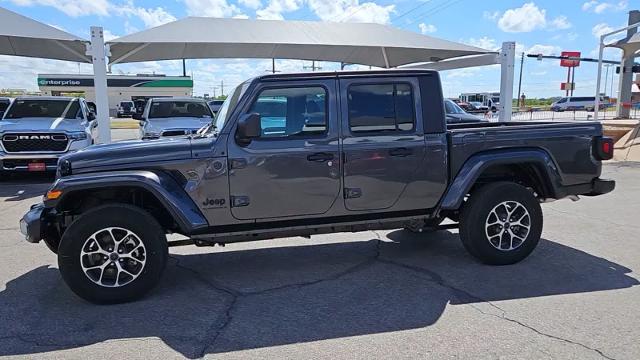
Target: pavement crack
[219,328]
[470,299]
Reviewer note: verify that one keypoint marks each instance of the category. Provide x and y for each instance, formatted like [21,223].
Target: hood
[178,123]
[124,154]
[463,118]
[42,125]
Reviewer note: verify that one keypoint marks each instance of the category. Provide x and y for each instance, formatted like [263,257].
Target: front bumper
[31,224]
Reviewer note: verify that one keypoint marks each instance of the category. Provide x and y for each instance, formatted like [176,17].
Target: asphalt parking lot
[366,295]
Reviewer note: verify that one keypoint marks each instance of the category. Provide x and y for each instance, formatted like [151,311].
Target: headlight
[64,168]
[78,136]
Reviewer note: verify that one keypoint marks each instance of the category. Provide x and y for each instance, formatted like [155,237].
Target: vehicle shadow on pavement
[236,300]
[25,186]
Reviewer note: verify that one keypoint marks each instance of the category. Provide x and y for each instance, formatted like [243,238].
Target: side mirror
[249,128]
[91,116]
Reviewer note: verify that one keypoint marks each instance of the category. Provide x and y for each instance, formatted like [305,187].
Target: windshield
[452,108]
[227,107]
[68,109]
[169,109]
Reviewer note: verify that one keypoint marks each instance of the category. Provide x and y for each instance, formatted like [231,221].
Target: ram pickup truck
[306,154]
[35,131]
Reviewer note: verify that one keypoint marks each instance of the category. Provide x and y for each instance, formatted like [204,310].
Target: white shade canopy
[355,43]
[22,36]
[630,44]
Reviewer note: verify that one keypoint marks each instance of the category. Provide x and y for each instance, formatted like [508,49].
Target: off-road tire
[475,228]
[75,239]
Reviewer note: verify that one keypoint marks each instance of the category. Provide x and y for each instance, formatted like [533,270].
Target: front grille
[34,142]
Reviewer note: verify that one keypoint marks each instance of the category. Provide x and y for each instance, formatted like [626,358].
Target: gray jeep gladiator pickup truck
[305,154]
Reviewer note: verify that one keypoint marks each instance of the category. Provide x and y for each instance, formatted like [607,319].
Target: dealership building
[120,87]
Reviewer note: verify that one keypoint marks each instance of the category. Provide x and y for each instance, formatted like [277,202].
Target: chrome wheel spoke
[113,257]
[507,225]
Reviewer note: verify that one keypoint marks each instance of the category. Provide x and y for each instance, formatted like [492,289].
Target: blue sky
[541,26]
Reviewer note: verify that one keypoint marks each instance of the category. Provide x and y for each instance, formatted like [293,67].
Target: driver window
[291,112]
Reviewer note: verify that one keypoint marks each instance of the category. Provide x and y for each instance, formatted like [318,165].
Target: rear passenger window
[288,112]
[381,108]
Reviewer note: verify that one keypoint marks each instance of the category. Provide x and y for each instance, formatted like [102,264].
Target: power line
[436,9]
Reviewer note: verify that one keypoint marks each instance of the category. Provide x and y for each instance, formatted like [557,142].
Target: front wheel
[113,254]
[501,223]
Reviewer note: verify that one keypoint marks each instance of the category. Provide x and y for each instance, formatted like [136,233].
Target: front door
[383,144]
[293,168]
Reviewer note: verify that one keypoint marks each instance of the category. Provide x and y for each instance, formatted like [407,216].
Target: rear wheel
[113,254]
[501,223]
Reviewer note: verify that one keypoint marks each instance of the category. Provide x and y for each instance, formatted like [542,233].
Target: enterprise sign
[116,82]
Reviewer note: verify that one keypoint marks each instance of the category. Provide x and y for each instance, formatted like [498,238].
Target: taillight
[603,148]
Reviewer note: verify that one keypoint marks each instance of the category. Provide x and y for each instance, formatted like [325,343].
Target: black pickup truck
[305,154]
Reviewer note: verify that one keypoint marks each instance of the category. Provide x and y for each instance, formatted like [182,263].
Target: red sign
[570,63]
[567,86]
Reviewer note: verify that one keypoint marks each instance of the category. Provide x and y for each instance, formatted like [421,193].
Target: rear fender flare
[477,164]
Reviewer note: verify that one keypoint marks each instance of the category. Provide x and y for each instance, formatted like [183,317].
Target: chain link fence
[541,114]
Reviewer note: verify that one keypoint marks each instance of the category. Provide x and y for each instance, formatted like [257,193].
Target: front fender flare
[161,185]
[474,166]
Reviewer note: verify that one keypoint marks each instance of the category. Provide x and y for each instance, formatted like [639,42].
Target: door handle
[320,157]
[400,152]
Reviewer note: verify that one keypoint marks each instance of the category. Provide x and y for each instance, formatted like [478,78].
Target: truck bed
[568,144]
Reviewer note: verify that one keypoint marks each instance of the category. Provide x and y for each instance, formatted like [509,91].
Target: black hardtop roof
[345,74]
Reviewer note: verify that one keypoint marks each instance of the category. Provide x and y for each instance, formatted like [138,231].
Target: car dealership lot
[371,294]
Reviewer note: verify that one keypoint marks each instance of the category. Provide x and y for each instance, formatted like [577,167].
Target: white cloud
[211,8]
[523,19]
[73,8]
[491,15]
[21,72]
[251,4]
[530,17]
[108,35]
[601,29]
[427,28]
[598,7]
[150,17]
[351,11]
[483,42]
[560,23]
[275,8]
[544,49]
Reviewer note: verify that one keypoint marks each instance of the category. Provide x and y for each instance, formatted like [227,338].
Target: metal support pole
[596,105]
[184,68]
[573,79]
[520,80]
[507,69]
[99,55]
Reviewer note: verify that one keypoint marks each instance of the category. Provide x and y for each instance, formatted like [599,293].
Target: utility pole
[313,66]
[520,81]
[606,78]
[273,67]
[222,87]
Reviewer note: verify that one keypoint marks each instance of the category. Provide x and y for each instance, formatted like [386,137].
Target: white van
[577,103]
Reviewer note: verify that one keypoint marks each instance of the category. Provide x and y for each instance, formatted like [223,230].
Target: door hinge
[352,193]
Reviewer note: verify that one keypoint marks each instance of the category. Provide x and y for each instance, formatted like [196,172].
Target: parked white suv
[577,103]
[166,117]
[35,131]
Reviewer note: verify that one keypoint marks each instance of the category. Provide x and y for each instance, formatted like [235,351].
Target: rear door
[383,144]
[293,169]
